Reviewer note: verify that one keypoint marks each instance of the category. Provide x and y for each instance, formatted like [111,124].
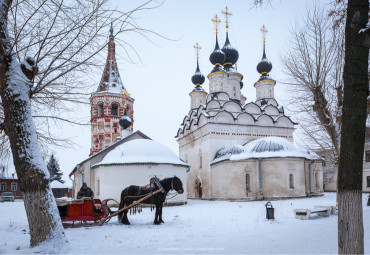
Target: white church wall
[275,177]
[113,179]
[264,89]
[217,82]
[232,87]
[317,179]
[229,180]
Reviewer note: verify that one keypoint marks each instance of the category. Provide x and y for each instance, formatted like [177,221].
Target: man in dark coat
[85,192]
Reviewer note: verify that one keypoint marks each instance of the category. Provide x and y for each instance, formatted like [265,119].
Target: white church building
[240,150]
[120,157]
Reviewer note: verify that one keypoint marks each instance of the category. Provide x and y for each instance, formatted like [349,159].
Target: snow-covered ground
[202,227]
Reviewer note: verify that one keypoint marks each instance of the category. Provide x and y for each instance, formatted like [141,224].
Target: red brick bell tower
[108,104]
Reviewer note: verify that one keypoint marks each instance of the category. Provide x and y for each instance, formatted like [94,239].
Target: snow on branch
[29,69]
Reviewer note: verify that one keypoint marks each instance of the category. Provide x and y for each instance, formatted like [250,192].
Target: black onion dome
[125,121]
[264,66]
[198,78]
[232,55]
[241,84]
[217,56]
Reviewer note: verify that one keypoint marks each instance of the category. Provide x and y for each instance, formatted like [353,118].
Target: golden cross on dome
[264,31]
[216,20]
[198,48]
[227,14]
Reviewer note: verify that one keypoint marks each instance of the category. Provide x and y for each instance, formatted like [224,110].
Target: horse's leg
[156,221]
[125,218]
[160,214]
[120,215]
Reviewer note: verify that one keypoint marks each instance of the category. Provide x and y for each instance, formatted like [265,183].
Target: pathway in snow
[212,227]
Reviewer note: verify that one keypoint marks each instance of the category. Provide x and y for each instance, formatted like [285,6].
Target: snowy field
[200,227]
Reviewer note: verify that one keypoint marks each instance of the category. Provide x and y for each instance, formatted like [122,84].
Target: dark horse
[133,193]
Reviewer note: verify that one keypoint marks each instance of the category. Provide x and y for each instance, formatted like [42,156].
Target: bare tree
[48,49]
[314,62]
[356,87]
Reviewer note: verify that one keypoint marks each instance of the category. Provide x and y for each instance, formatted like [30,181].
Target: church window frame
[247,183]
[234,91]
[291,181]
[115,109]
[368,181]
[100,109]
[200,160]
[97,186]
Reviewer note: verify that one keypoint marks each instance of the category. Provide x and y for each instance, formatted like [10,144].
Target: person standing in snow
[85,192]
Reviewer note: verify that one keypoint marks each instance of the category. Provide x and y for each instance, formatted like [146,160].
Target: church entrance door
[198,189]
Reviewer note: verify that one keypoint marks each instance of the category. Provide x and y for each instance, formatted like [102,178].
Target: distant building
[241,150]
[331,171]
[60,189]
[10,184]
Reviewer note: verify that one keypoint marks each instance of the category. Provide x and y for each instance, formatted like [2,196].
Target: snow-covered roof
[268,147]
[141,151]
[58,185]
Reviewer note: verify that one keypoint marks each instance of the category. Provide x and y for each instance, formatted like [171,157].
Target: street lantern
[269,211]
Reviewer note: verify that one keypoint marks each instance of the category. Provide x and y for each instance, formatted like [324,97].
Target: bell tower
[109,104]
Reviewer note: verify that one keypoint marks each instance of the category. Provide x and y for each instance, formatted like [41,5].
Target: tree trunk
[42,213]
[355,77]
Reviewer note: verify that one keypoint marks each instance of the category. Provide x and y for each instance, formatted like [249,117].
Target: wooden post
[102,221]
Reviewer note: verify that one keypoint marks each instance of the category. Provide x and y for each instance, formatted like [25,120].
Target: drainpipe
[260,174]
[309,174]
[78,169]
[73,187]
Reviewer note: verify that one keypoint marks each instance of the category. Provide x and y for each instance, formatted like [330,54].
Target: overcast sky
[161,84]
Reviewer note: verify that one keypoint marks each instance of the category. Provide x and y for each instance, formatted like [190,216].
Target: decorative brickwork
[108,105]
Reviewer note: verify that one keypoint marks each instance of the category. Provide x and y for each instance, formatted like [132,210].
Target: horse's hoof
[127,223]
[162,221]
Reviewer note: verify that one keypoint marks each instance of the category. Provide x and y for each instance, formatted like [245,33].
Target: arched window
[291,181]
[200,159]
[115,109]
[100,110]
[247,183]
